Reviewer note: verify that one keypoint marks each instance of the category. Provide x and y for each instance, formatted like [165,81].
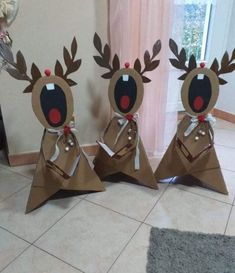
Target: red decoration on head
[129,117]
[47,72]
[127,65]
[67,130]
[202,64]
[201,118]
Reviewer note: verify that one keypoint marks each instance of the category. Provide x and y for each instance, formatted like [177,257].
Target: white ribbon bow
[60,133]
[122,121]
[195,122]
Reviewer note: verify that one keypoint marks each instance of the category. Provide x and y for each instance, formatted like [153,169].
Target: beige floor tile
[10,247]
[26,170]
[89,237]
[32,225]
[231,224]
[11,182]
[134,258]
[223,124]
[132,200]
[229,178]
[225,137]
[34,260]
[226,156]
[187,211]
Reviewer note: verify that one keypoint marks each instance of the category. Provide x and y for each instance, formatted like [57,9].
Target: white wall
[226,100]
[40,31]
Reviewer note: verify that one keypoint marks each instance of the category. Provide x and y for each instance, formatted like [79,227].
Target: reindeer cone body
[62,164]
[124,159]
[192,162]
[121,149]
[191,155]
[49,179]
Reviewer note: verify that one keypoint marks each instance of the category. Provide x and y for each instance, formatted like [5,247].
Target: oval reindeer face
[52,102]
[200,91]
[126,91]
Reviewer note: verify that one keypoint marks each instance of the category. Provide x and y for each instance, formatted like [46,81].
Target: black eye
[125,93]
[200,93]
[53,103]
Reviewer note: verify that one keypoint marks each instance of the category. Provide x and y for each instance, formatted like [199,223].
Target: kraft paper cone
[47,182]
[106,165]
[204,167]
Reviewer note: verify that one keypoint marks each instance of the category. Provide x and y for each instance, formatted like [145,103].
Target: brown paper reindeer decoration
[191,155]
[62,164]
[121,149]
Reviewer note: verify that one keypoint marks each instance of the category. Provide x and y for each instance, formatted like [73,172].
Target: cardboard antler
[149,62]
[72,65]
[104,59]
[18,69]
[180,61]
[226,66]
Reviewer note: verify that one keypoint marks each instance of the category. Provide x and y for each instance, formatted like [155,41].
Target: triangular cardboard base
[106,166]
[205,169]
[47,182]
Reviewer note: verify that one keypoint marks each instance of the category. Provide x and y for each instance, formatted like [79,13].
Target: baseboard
[32,158]
[224,115]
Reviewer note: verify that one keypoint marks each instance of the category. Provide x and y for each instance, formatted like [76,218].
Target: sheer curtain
[134,27]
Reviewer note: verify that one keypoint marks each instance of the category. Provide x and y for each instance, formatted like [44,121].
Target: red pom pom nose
[47,72]
[127,65]
[202,64]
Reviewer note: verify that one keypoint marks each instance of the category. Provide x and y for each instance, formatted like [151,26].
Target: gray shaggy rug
[173,251]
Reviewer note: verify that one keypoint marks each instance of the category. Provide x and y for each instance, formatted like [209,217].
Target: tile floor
[107,232]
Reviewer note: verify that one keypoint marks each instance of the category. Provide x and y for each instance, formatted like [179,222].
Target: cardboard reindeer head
[200,89]
[126,84]
[52,99]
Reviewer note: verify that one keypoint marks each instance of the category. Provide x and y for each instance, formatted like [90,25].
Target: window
[192,22]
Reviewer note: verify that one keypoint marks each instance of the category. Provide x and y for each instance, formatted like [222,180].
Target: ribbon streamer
[195,122]
[123,122]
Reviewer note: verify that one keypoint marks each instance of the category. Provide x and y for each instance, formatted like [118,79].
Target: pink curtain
[134,26]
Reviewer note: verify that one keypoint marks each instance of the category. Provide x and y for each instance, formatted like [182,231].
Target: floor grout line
[12,233]
[59,259]
[104,207]
[15,258]
[222,128]
[199,194]
[21,189]
[79,201]
[226,227]
[232,171]
[32,243]
[125,246]
[141,224]
[227,169]
[93,203]
[10,169]
[156,202]
[225,146]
